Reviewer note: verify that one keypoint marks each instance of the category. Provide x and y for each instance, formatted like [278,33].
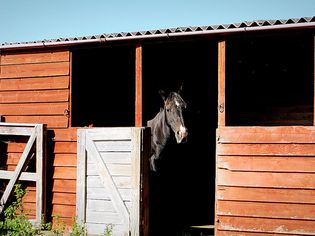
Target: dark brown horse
[167,122]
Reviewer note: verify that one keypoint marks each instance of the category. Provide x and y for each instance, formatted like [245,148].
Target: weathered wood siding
[35,88]
[265,181]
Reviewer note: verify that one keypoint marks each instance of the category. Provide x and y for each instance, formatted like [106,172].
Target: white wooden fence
[112,180]
[35,133]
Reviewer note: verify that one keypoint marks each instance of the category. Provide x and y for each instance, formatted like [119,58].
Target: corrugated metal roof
[179,31]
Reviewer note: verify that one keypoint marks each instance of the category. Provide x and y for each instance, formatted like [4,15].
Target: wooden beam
[314,82]
[221,82]
[138,105]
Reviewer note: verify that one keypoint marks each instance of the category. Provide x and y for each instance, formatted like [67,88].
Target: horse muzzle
[181,135]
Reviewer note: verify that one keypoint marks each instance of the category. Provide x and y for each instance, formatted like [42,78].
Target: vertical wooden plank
[221,82]
[138,108]
[314,82]
[39,169]
[70,90]
[81,176]
[135,182]
[145,174]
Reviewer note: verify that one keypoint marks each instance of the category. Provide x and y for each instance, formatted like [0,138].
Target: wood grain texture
[221,82]
[36,83]
[265,180]
[34,56]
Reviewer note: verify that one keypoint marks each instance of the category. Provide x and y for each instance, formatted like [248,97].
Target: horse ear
[162,94]
[180,88]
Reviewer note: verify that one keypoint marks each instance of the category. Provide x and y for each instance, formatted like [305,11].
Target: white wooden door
[111,165]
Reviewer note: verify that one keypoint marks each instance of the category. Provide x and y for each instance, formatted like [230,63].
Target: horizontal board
[52,121]
[100,205]
[113,146]
[34,108]
[236,233]
[34,96]
[65,147]
[273,164]
[106,134]
[266,225]
[11,130]
[34,70]
[103,217]
[266,195]
[295,134]
[64,186]
[265,179]
[63,210]
[103,194]
[266,149]
[120,181]
[114,169]
[69,134]
[65,160]
[64,172]
[266,210]
[8,58]
[113,158]
[38,83]
[64,198]
[9,173]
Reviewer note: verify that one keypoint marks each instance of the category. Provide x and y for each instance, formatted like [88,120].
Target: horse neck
[163,125]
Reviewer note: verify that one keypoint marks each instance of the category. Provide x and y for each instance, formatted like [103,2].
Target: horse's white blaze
[182,129]
[177,103]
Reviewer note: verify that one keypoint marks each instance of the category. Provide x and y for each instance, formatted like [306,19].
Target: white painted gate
[34,148]
[112,180]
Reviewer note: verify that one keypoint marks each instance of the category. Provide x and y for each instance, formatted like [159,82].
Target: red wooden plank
[267,210]
[65,160]
[39,56]
[69,134]
[64,198]
[138,110]
[271,164]
[64,186]
[266,149]
[34,70]
[34,109]
[39,83]
[265,179]
[34,96]
[266,225]
[63,210]
[60,121]
[65,147]
[295,134]
[303,196]
[64,172]
[221,83]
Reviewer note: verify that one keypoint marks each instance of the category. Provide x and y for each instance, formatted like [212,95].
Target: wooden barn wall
[265,181]
[35,88]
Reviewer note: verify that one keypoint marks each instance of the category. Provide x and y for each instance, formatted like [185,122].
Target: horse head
[174,105]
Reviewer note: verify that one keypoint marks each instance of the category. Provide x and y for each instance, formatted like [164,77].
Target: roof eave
[103,40]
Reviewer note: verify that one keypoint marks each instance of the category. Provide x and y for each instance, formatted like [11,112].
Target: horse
[167,122]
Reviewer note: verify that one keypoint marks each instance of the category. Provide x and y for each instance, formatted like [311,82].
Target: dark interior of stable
[182,191]
[103,87]
[270,80]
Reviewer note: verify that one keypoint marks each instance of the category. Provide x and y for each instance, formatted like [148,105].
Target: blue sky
[29,20]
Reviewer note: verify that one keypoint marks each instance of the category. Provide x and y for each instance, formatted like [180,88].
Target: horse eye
[168,110]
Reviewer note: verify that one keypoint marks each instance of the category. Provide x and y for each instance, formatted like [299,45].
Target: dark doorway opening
[182,192]
[270,80]
[103,86]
